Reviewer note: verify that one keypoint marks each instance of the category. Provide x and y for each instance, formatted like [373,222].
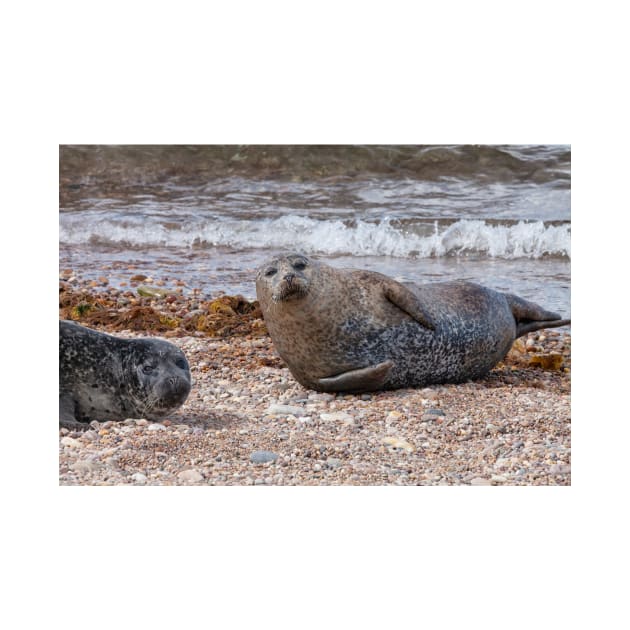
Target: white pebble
[337,416]
[284,410]
[191,476]
[480,481]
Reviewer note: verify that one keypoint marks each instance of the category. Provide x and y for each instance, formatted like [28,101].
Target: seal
[102,377]
[349,330]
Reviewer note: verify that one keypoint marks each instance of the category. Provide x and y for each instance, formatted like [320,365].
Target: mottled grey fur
[102,377]
[352,330]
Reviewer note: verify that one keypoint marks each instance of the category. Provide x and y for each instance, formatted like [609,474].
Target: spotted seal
[345,330]
[102,377]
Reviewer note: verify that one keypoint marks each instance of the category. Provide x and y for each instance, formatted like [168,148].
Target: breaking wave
[386,237]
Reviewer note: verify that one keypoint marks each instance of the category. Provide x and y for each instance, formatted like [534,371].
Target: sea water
[209,216]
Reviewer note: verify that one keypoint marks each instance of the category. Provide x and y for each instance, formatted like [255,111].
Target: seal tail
[530,316]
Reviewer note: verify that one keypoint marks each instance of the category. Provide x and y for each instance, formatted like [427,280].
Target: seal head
[288,278]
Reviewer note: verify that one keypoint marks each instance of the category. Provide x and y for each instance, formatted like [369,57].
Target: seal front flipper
[529,316]
[362,380]
[66,415]
[405,300]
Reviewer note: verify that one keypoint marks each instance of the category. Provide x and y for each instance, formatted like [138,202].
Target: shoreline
[511,428]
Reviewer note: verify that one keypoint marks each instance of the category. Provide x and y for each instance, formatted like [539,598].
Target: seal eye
[147,369]
[271,272]
[180,363]
[299,265]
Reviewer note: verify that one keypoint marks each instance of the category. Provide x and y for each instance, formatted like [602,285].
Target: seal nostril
[290,277]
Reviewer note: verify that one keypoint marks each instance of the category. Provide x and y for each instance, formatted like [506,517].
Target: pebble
[321,396]
[156,427]
[560,469]
[139,478]
[333,462]
[262,457]
[191,476]
[284,410]
[90,436]
[431,415]
[398,443]
[480,481]
[429,394]
[337,416]
[85,465]
[71,442]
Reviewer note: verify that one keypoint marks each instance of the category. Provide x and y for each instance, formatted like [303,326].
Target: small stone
[431,415]
[90,436]
[139,478]
[333,462]
[317,467]
[399,444]
[498,479]
[337,416]
[429,393]
[262,457]
[156,427]
[480,481]
[71,442]
[560,469]
[191,476]
[284,410]
[321,396]
[85,465]
[152,292]
[259,482]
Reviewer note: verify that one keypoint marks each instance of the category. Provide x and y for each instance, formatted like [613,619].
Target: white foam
[332,236]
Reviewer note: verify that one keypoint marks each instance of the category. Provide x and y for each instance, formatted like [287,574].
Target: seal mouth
[291,288]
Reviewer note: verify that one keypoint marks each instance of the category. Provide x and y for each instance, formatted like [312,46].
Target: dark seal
[345,330]
[102,377]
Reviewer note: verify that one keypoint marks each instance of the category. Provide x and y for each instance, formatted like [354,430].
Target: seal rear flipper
[362,380]
[529,316]
[523,327]
[405,300]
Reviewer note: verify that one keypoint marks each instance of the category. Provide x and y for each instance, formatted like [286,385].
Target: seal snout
[174,390]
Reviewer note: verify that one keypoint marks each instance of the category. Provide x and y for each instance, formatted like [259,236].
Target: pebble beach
[248,422]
